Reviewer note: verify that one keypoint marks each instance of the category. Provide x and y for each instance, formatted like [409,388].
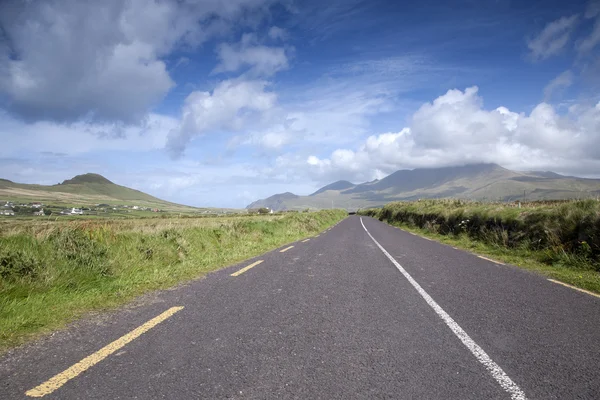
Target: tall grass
[52,272]
[565,233]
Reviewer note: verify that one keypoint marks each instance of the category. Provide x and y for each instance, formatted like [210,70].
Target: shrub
[555,229]
[80,250]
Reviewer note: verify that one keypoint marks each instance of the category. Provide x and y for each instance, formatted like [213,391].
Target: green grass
[53,272]
[558,239]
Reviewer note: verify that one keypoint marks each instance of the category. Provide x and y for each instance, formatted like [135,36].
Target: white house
[76,211]
[7,212]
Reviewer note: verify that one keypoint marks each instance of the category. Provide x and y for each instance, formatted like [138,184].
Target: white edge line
[575,288]
[495,370]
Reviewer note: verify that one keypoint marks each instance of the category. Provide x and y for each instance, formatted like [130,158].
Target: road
[364,310]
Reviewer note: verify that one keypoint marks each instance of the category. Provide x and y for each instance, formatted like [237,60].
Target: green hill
[485,182]
[86,189]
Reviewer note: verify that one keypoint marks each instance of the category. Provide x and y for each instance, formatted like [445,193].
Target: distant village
[9,208]
[37,209]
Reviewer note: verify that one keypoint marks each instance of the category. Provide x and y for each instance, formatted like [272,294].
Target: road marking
[495,370]
[60,379]
[286,249]
[305,240]
[241,271]
[575,288]
[489,259]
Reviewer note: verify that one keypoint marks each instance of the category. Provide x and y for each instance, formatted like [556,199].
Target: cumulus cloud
[261,60]
[68,59]
[553,38]
[233,104]
[456,129]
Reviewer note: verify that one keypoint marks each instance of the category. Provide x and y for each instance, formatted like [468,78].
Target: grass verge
[53,273]
[560,240]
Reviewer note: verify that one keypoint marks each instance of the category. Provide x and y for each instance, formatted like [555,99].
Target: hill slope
[488,182]
[86,189]
[339,185]
[275,202]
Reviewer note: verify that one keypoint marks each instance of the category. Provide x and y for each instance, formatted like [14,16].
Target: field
[53,271]
[560,239]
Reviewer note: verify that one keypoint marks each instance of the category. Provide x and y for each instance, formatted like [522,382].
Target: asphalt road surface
[364,310]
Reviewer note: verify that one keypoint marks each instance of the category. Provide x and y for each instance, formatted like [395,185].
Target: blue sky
[219,103]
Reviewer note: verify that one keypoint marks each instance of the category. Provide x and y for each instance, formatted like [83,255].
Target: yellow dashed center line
[305,240]
[241,271]
[489,259]
[58,380]
[576,288]
[286,249]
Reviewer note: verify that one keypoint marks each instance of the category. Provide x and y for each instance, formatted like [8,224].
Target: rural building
[39,213]
[72,211]
[7,211]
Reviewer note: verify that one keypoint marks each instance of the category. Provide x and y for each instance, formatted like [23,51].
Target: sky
[222,102]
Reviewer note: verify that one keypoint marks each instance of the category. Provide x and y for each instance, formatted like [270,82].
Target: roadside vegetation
[52,272]
[560,239]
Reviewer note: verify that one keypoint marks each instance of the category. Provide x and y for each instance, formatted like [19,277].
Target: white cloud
[553,38]
[593,9]
[456,129]
[82,137]
[67,59]
[562,81]
[277,33]
[231,106]
[591,41]
[324,114]
[272,139]
[262,60]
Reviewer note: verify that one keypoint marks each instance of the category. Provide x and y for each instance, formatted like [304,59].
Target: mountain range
[485,182]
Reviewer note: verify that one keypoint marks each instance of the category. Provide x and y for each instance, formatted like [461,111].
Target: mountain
[485,182]
[339,185]
[87,178]
[275,202]
[86,189]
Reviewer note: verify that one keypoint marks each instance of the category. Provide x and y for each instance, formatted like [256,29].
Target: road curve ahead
[364,310]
